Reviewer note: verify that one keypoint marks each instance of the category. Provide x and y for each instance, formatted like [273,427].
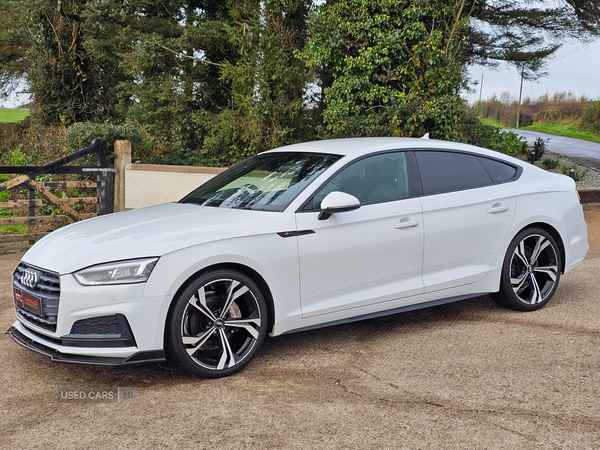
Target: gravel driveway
[467,375]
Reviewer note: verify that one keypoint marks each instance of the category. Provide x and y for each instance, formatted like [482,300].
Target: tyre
[531,271]
[217,324]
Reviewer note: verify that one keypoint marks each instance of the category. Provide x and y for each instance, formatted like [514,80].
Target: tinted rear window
[447,172]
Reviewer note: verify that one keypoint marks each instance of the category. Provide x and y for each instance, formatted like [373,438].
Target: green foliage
[210,82]
[550,163]
[404,82]
[473,132]
[539,147]
[81,135]
[573,171]
[590,118]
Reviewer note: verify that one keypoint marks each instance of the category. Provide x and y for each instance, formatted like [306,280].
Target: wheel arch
[249,272]
[555,234]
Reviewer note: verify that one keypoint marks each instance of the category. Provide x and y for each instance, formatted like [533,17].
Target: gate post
[122,158]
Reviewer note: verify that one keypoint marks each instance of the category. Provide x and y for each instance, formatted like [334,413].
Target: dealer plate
[27,301]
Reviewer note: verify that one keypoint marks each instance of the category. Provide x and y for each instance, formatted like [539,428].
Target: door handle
[497,208]
[406,223]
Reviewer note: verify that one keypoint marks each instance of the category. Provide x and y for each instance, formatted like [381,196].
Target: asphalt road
[579,150]
[468,375]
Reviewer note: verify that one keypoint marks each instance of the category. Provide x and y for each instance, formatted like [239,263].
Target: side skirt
[388,312]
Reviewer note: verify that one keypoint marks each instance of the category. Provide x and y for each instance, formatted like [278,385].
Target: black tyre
[531,271]
[217,324]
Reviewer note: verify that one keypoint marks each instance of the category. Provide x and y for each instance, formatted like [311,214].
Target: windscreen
[267,182]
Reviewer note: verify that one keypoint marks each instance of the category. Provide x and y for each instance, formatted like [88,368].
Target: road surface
[584,152]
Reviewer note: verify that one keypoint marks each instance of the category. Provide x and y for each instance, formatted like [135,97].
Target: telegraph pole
[520,94]
[480,88]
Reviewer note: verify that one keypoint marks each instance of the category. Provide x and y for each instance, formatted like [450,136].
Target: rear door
[467,213]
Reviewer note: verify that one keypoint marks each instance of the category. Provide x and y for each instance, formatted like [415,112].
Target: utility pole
[480,88]
[520,94]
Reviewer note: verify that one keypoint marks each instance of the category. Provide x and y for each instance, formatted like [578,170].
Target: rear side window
[447,172]
[500,171]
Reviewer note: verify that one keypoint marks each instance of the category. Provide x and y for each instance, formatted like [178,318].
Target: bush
[578,174]
[81,135]
[473,132]
[539,147]
[551,163]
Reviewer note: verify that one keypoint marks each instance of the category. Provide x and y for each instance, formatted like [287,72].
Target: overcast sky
[575,68]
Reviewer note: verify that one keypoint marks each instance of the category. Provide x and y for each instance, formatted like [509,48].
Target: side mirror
[336,202]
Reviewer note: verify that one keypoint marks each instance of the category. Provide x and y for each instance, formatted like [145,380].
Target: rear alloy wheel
[531,271]
[217,324]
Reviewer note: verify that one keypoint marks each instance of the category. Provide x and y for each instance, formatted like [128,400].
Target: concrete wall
[141,185]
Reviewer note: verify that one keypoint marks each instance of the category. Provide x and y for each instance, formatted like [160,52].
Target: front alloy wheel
[217,324]
[531,271]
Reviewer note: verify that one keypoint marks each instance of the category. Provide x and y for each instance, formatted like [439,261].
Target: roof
[357,146]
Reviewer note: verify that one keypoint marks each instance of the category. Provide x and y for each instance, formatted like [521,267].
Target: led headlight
[119,272]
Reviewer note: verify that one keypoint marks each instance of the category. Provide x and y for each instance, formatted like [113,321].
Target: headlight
[119,272]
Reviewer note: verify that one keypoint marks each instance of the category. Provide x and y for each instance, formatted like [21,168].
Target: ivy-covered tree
[393,66]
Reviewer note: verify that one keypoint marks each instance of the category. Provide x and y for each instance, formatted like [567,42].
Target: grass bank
[13,115]
[567,128]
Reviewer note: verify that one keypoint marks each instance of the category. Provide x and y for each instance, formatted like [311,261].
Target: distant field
[13,115]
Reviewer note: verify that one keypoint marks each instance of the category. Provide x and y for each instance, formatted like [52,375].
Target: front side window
[376,179]
[266,182]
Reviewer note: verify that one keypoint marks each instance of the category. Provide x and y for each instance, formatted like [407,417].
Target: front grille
[97,325]
[47,289]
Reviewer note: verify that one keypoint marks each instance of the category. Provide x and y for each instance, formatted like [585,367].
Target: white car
[295,238]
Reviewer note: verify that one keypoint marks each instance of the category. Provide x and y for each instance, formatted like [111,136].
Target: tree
[392,66]
[525,33]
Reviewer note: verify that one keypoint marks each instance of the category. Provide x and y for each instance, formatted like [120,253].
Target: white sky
[575,68]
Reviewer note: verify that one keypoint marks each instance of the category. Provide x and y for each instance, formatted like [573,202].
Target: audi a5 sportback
[296,238]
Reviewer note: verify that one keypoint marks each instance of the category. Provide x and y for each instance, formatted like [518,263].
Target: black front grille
[46,288]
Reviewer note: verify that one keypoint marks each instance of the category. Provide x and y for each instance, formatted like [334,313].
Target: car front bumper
[104,325]
[35,342]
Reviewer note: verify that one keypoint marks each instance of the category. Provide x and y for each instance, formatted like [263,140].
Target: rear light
[578,196]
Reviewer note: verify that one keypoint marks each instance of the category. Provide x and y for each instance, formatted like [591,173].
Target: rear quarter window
[501,172]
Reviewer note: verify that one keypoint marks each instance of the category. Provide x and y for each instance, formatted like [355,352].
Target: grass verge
[567,129]
[13,115]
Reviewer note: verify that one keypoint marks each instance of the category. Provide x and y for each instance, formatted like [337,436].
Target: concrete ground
[468,375]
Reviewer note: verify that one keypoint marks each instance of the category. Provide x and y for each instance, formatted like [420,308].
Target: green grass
[567,129]
[13,115]
[493,123]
